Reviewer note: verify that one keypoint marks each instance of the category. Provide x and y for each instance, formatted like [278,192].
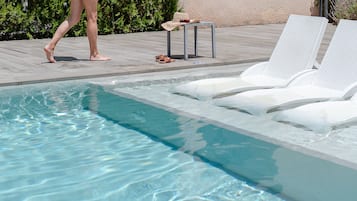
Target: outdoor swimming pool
[84,142]
[54,145]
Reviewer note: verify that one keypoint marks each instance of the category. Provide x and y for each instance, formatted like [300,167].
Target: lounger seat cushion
[259,102]
[322,116]
[207,88]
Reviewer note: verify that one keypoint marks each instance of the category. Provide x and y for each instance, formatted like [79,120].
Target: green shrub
[41,18]
[346,9]
[13,21]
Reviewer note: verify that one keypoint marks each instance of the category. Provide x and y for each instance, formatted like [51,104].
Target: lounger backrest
[298,45]
[338,68]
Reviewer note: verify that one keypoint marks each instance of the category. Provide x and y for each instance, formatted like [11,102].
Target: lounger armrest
[350,91]
[256,69]
[303,78]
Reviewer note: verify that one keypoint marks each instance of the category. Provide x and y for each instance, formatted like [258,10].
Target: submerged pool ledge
[292,174]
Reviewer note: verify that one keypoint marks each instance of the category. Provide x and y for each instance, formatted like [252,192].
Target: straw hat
[178,20]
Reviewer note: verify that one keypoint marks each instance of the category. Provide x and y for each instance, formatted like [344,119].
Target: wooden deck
[24,61]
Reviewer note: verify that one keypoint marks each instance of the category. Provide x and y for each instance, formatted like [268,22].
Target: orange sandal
[163,59]
[160,57]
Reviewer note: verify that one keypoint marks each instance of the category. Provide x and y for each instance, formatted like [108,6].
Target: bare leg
[92,30]
[73,19]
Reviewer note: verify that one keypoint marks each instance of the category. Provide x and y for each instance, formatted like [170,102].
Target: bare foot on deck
[49,54]
[99,57]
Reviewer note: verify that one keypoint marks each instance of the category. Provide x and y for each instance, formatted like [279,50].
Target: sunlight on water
[53,149]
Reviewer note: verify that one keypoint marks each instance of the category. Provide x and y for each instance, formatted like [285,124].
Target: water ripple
[52,149]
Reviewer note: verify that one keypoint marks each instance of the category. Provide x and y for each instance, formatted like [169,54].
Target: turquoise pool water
[79,142]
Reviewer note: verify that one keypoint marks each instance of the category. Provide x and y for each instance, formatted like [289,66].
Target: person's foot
[99,57]
[49,54]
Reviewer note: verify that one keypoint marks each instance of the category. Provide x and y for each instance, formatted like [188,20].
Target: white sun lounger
[322,116]
[294,53]
[336,78]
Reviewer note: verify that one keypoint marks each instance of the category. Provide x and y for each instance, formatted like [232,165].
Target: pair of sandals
[163,59]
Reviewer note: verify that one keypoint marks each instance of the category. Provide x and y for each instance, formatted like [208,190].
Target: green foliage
[346,9]
[13,21]
[41,18]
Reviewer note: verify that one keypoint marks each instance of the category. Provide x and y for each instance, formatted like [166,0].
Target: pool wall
[293,175]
